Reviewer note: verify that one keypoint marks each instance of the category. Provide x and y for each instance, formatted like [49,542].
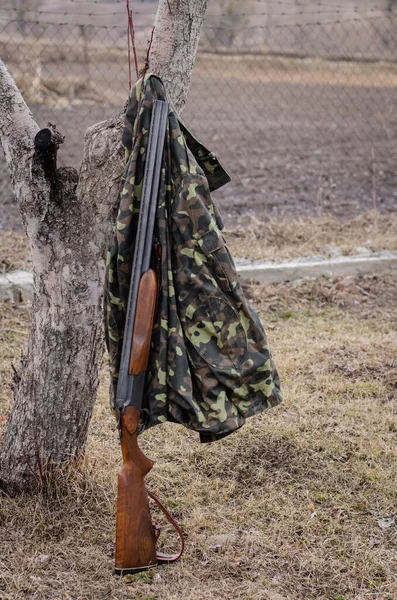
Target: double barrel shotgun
[135,534]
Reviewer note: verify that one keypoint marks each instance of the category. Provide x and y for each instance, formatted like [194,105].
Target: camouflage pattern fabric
[210,365]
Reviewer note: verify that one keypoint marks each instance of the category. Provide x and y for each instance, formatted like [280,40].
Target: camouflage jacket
[210,365]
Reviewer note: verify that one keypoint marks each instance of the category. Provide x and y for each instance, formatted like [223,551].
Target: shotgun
[135,534]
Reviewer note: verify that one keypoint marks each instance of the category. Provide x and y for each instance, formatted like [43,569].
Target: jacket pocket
[214,331]
[218,259]
[199,241]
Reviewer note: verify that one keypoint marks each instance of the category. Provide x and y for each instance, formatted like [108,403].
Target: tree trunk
[177,33]
[67,220]
[68,217]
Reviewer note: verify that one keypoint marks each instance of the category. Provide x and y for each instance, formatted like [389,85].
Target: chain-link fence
[298,99]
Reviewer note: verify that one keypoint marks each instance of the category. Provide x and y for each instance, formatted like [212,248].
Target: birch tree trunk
[68,218]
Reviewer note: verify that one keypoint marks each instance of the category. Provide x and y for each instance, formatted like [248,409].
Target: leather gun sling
[161,556]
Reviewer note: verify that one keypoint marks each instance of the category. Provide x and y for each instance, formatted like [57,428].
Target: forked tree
[67,216]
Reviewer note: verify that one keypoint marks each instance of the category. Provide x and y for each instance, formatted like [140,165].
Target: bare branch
[17,127]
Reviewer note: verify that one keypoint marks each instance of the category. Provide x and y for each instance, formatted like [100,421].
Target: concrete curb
[290,270]
[18,285]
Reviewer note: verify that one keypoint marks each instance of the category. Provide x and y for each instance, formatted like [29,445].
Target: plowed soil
[299,138]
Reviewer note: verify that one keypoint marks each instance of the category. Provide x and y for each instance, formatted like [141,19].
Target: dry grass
[59,91]
[308,490]
[267,67]
[22,48]
[14,331]
[275,239]
[301,71]
[278,239]
[14,252]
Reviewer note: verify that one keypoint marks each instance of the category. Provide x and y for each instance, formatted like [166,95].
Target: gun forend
[145,315]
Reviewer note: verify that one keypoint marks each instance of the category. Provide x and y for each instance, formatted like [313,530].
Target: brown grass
[308,491]
[307,71]
[62,90]
[265,67]
[274,239]
[279,239]
[14,252]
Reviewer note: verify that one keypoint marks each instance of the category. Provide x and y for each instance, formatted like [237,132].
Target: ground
[299,137]
[300,504]
[274,239]
[305,493]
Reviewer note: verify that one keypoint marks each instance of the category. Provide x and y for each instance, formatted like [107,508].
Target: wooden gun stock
[135,538]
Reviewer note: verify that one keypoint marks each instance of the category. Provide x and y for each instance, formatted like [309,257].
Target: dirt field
[300,137]
[301,142]
[301,501]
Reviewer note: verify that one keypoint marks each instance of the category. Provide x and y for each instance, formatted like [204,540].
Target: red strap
[168,558]
[131,42]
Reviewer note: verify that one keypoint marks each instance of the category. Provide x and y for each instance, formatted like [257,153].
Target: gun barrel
[130,386]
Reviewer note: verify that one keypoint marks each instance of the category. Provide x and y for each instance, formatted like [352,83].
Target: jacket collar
[154,88]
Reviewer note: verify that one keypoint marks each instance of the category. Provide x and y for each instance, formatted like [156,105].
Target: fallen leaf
[338,513]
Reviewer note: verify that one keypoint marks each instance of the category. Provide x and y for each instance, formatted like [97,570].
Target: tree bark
[177,33]
[68,218]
